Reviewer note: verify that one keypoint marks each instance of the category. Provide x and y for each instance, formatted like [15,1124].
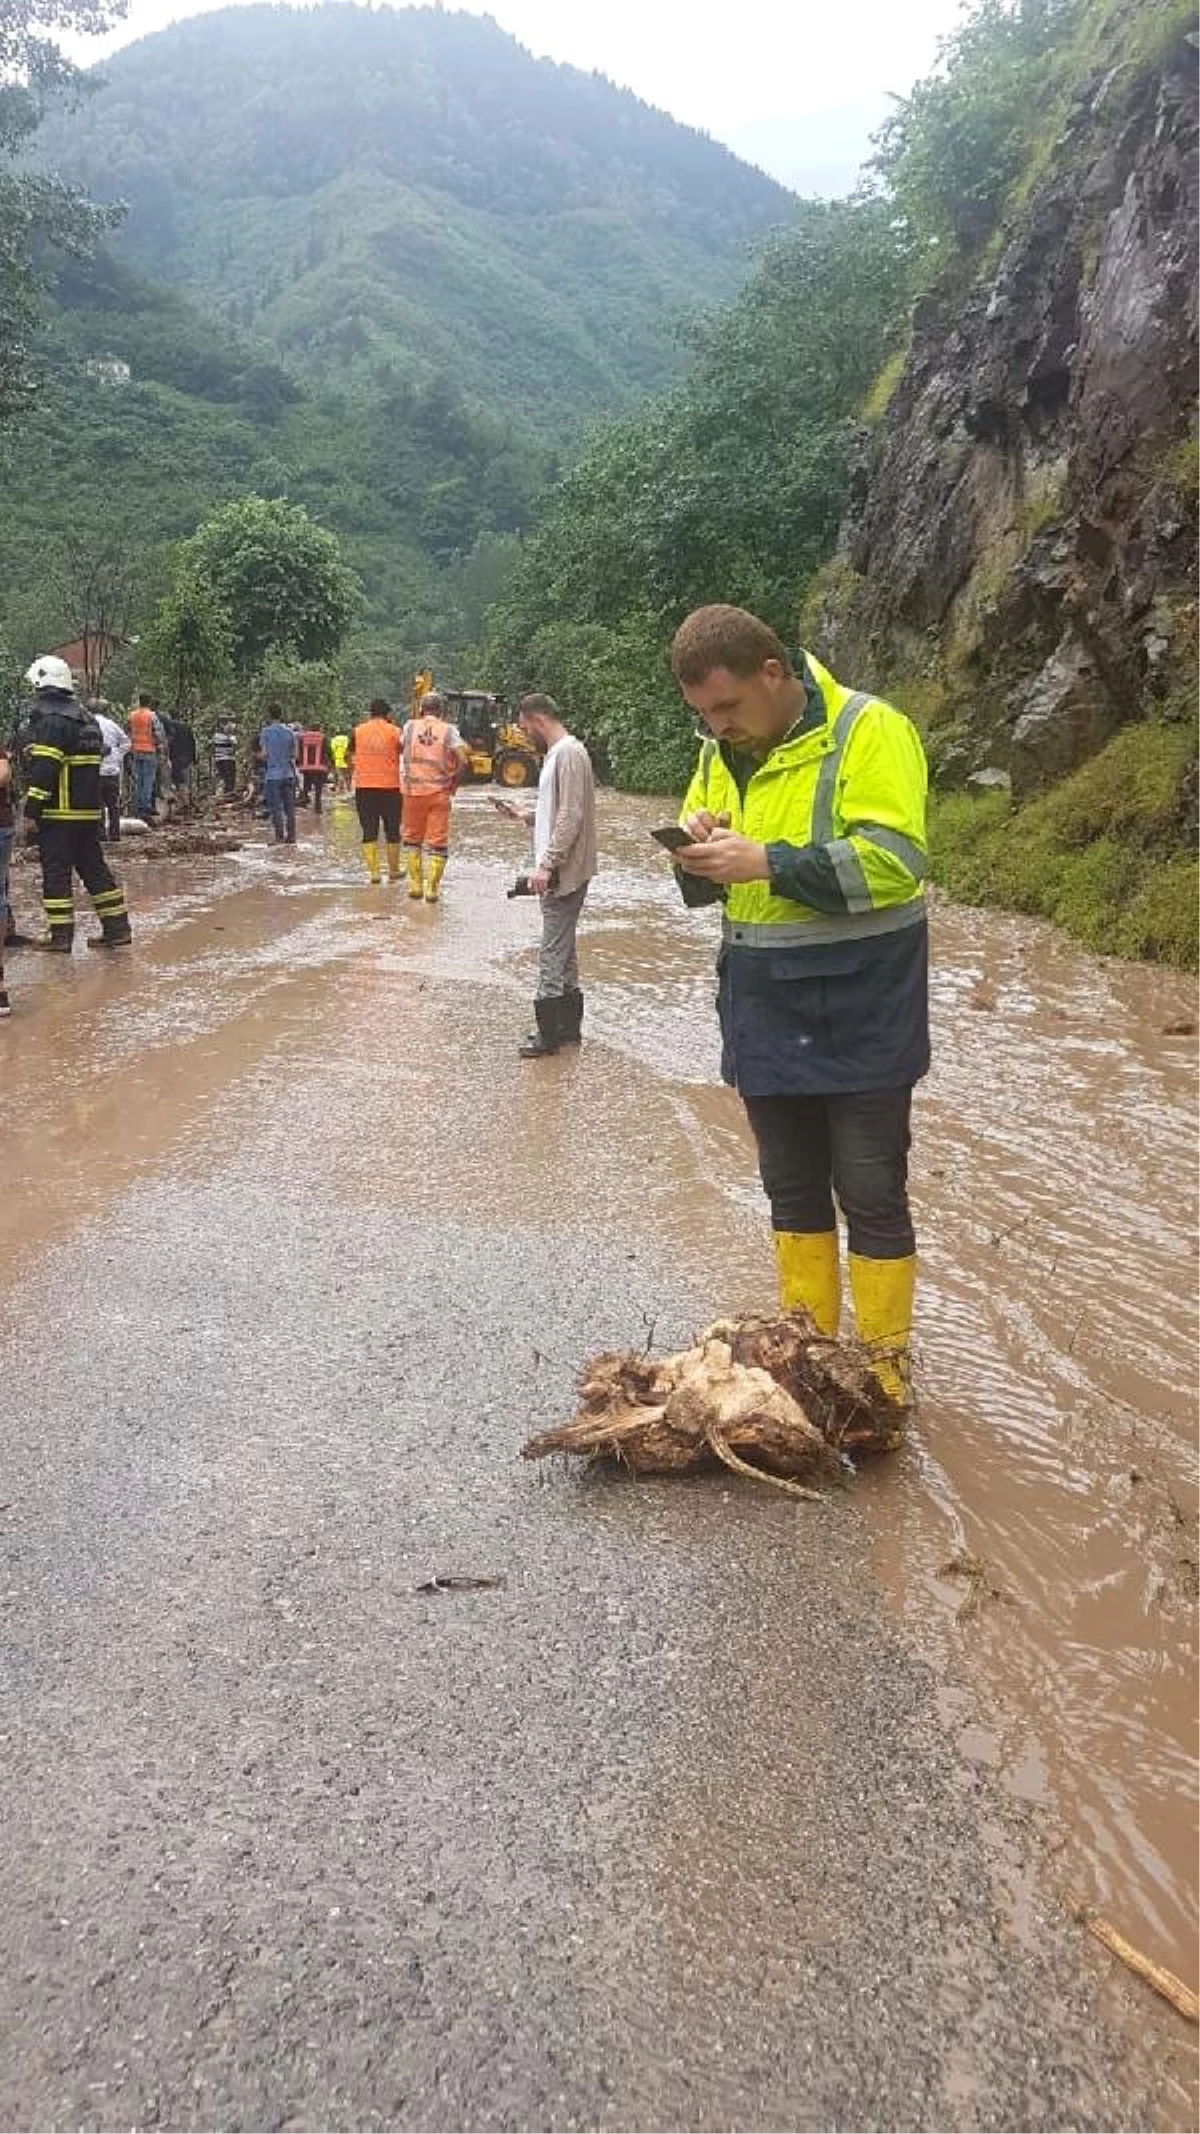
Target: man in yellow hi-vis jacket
[807,814]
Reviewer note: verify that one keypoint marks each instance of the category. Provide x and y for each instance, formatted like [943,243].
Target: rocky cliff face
[1021,549]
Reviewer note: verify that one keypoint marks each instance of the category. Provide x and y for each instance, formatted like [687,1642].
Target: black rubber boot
[572,1017]
[57,942]
[548,1035]
[116,935]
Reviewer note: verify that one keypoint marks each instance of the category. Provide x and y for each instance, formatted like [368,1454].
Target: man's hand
[701,825]
[539,880]
[722,855]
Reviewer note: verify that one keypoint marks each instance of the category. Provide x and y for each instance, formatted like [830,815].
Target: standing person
[339,756]
[112,765]
[224,756]
[564,862]
[63,749]
[278,745]
[375,756]
[434,758]
[807,813]
[314,765]
[182,754]
[145,738]
[7,833]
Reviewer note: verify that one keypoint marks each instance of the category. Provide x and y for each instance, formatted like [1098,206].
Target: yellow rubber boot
[883,1306]
[412,860]
[393,857]
[371,856]
[809,1275]
[433,878]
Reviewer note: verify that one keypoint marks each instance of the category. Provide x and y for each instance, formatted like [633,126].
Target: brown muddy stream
[1039,1532]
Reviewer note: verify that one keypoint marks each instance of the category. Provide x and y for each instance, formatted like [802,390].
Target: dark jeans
[810,1148]
[227,773]
[280,796]
[314,787]
[110,806]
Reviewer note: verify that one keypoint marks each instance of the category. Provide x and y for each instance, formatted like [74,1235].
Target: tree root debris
[770,1398]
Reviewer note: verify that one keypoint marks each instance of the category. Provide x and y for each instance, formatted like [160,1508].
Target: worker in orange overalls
[375,761]
[433,760]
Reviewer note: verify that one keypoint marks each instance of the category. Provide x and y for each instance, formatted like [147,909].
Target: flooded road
[1039,1532]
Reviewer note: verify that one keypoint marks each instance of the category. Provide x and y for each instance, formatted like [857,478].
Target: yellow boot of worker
[371,856]
[412,860]
[883,1306]
[809,1276]
[433,878]
[393,859]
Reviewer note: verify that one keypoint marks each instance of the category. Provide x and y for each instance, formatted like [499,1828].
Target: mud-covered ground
[680,1825]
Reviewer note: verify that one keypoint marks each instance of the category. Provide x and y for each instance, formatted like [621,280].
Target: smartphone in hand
[673,836]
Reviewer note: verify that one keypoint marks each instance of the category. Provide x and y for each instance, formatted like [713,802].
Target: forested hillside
[386,265]
[411,188]
[947,437]
[107,469]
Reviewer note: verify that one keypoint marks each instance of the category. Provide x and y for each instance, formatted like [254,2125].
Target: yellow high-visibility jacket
[822,975]
[840,805]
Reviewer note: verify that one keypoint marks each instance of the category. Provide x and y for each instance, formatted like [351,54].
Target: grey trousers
[558,969]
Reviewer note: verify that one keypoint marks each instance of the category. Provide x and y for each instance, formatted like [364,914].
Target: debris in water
[981,1589]
[768,1397]
[1163,1981]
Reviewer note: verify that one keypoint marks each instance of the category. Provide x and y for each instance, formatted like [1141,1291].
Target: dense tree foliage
[187,652]
[951,150]
[38,212]
[278,577]
[730,488]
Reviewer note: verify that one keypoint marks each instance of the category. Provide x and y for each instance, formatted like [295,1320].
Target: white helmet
[51,673]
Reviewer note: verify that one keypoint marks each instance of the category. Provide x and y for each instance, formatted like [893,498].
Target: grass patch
[1100,853]
[878,400]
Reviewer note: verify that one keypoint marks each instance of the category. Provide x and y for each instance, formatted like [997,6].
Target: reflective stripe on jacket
[431,761]
[376,746]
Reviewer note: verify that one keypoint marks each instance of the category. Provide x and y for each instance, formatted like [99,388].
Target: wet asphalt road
[665,1831]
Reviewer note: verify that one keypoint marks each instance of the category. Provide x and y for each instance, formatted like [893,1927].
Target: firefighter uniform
[62,753]
[822,994]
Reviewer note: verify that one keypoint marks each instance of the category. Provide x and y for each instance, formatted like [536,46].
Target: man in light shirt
[112,765]
[564,861]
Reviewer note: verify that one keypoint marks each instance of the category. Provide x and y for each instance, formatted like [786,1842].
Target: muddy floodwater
[1039,1532]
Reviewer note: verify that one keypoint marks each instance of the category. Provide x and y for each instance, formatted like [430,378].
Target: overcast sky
[796,86]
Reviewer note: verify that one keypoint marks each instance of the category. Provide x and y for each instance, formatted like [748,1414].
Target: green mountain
[385,264]
[152,413]
[411,189]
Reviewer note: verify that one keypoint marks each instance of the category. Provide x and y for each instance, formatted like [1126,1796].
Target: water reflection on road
[1040,1529]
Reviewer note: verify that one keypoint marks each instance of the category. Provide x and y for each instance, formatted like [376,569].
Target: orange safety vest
[312,750]
[377,756]
[141,731]
[431,764]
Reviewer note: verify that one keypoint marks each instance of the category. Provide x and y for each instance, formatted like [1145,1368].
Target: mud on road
[676,1826]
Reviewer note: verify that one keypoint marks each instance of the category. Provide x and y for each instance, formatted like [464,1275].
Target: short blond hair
[722,636]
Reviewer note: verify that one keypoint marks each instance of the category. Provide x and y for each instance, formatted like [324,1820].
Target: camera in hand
[521,887]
